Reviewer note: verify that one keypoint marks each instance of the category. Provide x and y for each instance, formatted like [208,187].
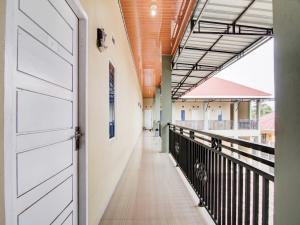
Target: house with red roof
[267,128]
[222,107]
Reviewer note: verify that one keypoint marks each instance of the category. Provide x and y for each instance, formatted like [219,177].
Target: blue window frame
[112,123]
[182,115]
[220,114]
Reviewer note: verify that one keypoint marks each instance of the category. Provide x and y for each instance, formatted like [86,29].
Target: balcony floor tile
[151,191]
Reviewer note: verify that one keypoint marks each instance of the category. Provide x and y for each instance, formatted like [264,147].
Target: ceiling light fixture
[153,9]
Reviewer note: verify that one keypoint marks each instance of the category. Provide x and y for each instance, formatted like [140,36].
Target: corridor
[151,191]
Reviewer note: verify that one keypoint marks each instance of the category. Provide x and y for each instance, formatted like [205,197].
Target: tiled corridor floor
[151,191]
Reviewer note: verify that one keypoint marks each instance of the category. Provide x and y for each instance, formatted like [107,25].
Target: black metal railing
[220,125]
[245,124]
[232,178]
[193,124]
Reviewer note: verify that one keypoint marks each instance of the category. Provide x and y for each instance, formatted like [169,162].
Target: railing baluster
[265,202]
[202,185]
[193,163]
[234,184]
[247,197]
[207,183]
[212,183]
[197,182]
[219,187]
[228,192]
[255,198]
[240,195]
[224,192]
[215,187]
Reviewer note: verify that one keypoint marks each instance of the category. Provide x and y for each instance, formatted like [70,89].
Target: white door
[148,123]
[44,112]
[195,114]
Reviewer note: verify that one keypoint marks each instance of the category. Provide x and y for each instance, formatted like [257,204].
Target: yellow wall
[108,158]
[244,110]
[2,20]
[189,106]
[148,103]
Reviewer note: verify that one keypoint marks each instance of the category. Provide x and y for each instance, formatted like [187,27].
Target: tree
[264,110]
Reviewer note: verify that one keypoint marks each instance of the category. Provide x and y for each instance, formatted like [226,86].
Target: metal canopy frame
[219,33]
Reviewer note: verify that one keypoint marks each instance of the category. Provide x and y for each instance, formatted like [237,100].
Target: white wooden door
[195,114]
[43,87]
[148,122]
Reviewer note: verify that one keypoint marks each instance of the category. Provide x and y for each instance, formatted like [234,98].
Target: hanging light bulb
[153,9]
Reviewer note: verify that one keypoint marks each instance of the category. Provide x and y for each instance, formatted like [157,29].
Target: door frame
[82,111]
[151,122]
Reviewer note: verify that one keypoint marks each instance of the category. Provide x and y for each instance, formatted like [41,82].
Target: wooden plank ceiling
[154,36]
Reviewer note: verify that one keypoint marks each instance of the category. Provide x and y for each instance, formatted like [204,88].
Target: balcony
[206,179]
[151,191]
[233,179]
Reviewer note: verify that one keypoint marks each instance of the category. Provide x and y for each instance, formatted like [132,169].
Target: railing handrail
[255,146]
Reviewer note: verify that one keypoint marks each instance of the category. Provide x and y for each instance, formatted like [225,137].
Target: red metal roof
[267,122]
[219,88]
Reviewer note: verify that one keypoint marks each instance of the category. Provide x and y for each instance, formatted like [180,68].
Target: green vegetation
[264,110]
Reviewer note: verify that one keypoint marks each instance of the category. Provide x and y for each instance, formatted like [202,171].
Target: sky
[255,70]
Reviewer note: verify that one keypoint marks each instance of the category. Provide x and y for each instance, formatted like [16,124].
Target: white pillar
[173,112]
[205,119]
[287,92]
[258,108]
[236,116]
[156,108]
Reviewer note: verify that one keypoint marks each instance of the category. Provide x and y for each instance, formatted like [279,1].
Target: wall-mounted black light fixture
[101,37]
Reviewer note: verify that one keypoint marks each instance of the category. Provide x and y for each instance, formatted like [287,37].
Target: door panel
[148,122]
[39,140]
[38,112]
[37,165]
[43,161]
[47,17]
[69,220]
[32,56]
[55,202]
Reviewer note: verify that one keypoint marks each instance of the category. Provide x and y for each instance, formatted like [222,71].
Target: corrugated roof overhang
[219,33]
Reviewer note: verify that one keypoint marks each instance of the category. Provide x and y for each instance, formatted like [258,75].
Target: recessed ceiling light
[153,9]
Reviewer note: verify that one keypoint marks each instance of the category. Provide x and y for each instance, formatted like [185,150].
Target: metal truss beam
[198,67]
[247,50]
[244,11]
[219,28]
[192,24]
[182,75]
[187,85]
[207,50]
[195,65]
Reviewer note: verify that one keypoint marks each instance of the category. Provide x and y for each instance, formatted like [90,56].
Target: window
[220,114]
[182,115]
[111,101]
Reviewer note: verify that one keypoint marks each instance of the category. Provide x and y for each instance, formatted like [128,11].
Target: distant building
[267,127]
[222,107]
